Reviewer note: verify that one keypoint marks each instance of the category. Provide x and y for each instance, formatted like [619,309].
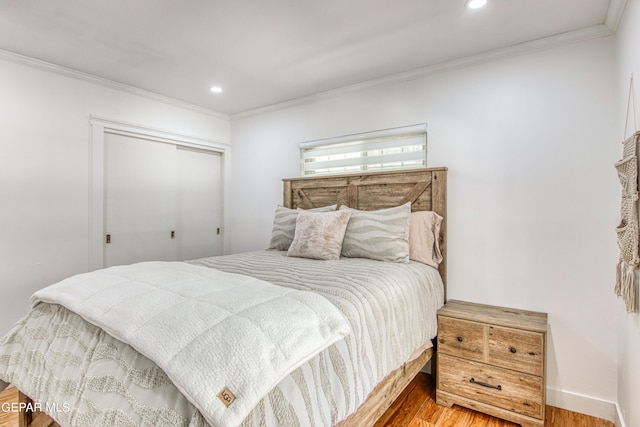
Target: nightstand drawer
[514,391]
[461,338]
[516,349]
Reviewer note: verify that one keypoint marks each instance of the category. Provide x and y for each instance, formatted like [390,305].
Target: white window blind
[388,149]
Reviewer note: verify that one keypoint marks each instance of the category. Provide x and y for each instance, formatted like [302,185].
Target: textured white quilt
[207,329]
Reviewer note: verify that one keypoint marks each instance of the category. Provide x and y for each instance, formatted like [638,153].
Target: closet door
[140,200]
[199,203]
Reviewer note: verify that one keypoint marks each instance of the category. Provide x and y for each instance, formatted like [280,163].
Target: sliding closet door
[163,201]
[199,203]
[140,200]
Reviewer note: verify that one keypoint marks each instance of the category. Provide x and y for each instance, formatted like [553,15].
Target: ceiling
[265,52]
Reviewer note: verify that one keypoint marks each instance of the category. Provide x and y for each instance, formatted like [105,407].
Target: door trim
[100,126]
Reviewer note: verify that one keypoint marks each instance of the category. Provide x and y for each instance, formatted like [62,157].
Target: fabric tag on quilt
[226,396]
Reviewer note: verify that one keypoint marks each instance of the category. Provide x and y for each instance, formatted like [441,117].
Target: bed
[350,381]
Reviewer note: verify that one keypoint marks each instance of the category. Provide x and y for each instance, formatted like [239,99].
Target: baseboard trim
[619,421]
[585,405]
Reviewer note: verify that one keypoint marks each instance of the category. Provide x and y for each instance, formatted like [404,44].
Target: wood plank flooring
[416,407]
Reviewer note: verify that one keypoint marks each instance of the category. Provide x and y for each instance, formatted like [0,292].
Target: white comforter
[208,330]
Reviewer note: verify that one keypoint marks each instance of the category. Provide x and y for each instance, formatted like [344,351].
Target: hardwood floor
[416,407]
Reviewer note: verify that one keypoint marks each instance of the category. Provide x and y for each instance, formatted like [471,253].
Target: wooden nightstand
[493,360]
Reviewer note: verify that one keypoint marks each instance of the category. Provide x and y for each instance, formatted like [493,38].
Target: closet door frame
[99,127]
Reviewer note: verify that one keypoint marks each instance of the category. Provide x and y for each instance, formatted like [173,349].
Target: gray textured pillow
[284,225]
[319,235]
[382,235]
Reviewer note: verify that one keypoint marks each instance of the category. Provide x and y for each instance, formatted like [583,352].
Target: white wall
[44,170]
[530,143]
[628,45]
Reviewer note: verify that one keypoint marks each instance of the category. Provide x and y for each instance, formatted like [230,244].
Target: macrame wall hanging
[629,229]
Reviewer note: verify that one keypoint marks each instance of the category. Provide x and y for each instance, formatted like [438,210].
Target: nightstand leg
[442,400]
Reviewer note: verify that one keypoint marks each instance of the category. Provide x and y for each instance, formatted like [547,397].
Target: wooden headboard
[426,189]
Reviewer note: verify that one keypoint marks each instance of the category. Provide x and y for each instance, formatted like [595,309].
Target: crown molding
[614,14]
[588,33]
[68,72]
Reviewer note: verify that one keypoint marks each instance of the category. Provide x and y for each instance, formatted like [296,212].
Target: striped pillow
[382,235]
[284,226]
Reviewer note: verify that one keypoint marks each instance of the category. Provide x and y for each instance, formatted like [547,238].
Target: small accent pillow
[284,225]
[424,238]
[382,235]
[319,235]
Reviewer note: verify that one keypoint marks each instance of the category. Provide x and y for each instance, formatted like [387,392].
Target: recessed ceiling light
[475,4]
[215,89]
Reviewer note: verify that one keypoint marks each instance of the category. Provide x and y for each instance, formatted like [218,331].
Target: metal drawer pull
[459,339]
[512,349]
[497,387]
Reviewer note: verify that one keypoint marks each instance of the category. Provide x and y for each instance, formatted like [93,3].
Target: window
[389,149]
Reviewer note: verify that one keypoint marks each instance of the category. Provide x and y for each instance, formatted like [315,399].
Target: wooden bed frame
[426,189]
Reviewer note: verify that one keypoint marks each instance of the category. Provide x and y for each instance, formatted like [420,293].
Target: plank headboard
[426,189]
